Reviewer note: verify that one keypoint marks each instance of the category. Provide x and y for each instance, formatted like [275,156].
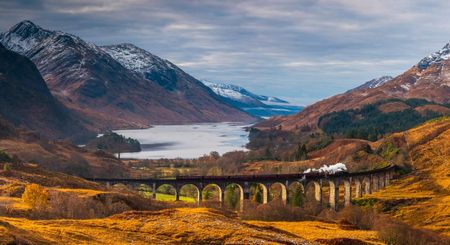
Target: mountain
[166,75]
[429,80]
[26,101]
[150,66]
[241,94]
[90,81]
[438,58]
[236,94]
[374,83]
[256,105]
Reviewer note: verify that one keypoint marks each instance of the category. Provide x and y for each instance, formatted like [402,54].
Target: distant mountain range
[429,79]
[256,105]
[119,86]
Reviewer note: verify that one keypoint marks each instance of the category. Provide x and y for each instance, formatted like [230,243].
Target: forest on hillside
[371,123]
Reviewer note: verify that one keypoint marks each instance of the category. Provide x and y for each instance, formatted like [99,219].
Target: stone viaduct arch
[354,185]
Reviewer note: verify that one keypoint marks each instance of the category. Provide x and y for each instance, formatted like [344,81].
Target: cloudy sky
[300,50]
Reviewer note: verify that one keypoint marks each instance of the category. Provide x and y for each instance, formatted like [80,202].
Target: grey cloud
[299,49]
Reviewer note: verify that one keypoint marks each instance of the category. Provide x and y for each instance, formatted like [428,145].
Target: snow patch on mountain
[374,83]
[232,92]
[137,59]
[256,105]
[435,58]
[29,39]
[23,36]
[241,94]
[406,86]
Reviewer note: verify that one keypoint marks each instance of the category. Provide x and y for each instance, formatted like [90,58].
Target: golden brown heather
[184,226]
[422,198]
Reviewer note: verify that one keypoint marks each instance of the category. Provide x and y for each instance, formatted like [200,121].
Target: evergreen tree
[301,153]
[231,198]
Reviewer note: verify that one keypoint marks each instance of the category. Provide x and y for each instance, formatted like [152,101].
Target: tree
[297,198]
[301,153]
[258,195]
[268,153]
[115,143]
[35,196]
[6,167]
[5,157]
[231,199]
[214,155]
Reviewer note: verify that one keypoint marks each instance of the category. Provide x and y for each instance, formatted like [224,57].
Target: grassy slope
[184,225]
[422,198]
[319,231]
[167,197]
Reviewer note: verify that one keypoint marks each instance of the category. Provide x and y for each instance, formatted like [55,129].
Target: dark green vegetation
[370,123]
[5,157]
[114,143]
[277,144]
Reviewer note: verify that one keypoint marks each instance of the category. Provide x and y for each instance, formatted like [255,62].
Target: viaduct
[354,184]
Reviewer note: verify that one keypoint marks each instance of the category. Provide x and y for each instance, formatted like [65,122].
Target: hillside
[422,197]
[66,196]
[84,212]
[90,81]
[372,121]
[429,79]
[357,154]
[58,155]
[26,101]
[188,226]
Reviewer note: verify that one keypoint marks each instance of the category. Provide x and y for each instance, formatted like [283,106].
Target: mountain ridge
[374,83]
[89,81]
[257,105]
[431,83]
[227,89]
[26,101]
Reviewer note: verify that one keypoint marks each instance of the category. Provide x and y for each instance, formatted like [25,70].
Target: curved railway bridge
[354,184]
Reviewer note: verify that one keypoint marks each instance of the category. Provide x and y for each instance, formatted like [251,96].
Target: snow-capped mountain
[241,94]
[374,83]
[151,66]
[429,79]
[110,92]
[234,93]
[137,59]
[257,105]
[436,57]
[24,36]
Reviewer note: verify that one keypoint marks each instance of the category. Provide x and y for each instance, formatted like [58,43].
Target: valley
[104,142]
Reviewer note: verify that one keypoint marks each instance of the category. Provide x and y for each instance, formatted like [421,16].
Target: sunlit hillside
[324,232]
[422,197]
[193,226]
[83,209]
